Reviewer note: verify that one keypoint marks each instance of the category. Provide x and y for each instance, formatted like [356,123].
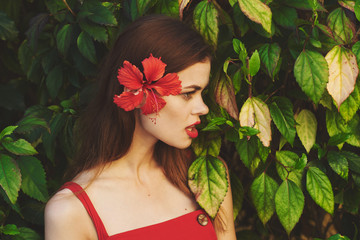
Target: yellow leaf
[343,71]
[258,12]
[182,6]
[255,113]
[306,128]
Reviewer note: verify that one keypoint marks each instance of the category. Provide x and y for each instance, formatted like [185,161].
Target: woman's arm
[227,215]
[66,218]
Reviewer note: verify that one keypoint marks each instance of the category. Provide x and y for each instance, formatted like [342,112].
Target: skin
[135,186]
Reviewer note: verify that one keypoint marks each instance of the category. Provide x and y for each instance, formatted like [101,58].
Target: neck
[139,159]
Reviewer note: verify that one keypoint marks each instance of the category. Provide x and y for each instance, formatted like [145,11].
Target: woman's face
[175,123]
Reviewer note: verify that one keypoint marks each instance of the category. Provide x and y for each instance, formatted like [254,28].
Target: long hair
[105,130]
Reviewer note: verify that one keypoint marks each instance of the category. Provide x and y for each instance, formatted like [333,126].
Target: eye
[187,95]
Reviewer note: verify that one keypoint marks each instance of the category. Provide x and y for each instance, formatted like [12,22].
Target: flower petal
[128,100]
[154,68]
[168,85]
[153,103]
[130,76]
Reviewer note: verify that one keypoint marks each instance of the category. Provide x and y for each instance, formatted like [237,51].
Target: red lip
[191,130]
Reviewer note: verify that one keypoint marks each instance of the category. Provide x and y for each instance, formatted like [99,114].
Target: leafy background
[284,99]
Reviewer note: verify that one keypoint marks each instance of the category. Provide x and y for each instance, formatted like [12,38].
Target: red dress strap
[85,200]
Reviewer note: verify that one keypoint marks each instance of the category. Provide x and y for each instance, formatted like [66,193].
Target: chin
[183,145]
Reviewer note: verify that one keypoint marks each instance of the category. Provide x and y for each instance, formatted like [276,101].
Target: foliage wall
[284,99]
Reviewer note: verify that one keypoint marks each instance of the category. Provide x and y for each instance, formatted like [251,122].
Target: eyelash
[187,95]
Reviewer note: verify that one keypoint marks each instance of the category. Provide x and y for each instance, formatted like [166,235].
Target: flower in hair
[148,92]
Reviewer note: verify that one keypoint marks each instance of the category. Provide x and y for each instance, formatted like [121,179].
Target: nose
[200,108]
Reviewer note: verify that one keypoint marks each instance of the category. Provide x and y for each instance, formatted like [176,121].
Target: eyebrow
[195,87]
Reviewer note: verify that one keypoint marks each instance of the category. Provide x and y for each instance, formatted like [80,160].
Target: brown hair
[105,130]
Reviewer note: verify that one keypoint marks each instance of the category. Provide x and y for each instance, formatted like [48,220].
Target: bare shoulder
[65,211]
[62,204]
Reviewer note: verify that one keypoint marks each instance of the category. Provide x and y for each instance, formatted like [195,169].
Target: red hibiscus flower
[151,89]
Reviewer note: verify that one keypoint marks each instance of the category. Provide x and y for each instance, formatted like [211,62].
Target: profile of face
[175,123]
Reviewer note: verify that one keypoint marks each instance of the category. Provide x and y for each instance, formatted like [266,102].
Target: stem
[68,7]
[285,167]
[249,77]
[267,166]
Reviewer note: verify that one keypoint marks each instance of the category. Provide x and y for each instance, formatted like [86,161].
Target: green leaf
[338,237]
[208,181]
[246,149]
[10,177]
[289,204]
[335,124]
[285,16]
[97,32]
[301,162]
[10,229]
[29,123]
[7,131]
[97,13]
[214,122]
[33,178]
[37,24]
[319,187]
[356,50]
[258,12]
[207,144]
[168,7]
[270,58]
[286,167]
[19,147]
[237,194]
[236,45]
[254,63]
[8,29]
[56,125]
[247,131]
[351,199]
[27,234]
[255,113]
[144,5]
[263,191]
[357,9]
[206,22]
[306,128]
[338,139]
[338,163]
[342,28]
[353,126]
[64,38]
[305,4]
[356,178]
[312,74]
[281,110]
[54,80]
[353,161]
[315,43]
[25,56]
[263,151]
[350,106]
[86,47]
[343,71]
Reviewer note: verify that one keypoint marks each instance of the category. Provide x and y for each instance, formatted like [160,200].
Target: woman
[130,177]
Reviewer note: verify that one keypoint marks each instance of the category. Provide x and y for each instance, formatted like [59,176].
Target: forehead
[196,74]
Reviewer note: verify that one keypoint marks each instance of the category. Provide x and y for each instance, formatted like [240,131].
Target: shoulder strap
[85,200]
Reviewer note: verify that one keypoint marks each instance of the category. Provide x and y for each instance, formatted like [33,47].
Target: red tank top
[192,226]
